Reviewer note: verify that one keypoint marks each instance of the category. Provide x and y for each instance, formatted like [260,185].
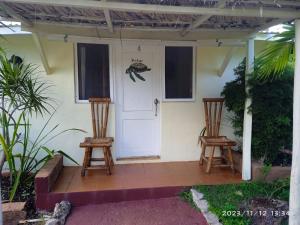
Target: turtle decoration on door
[136,68]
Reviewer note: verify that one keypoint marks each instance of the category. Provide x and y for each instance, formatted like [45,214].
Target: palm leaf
[273,61]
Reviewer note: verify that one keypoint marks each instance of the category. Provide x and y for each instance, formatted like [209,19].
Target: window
[93,78]
[179,73]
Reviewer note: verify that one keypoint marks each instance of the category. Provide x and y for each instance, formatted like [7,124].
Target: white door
[138,100]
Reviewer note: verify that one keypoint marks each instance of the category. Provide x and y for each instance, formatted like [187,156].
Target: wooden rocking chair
[213,112]
[100,110]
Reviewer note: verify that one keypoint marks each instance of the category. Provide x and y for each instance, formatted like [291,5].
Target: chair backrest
[100,110]
[213,112]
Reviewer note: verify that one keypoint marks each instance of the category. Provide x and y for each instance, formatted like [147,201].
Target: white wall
[181,121]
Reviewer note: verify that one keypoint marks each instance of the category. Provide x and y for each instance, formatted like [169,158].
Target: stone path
[164,211]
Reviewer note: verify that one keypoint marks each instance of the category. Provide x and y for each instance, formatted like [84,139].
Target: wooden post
[294,210]
[247,132]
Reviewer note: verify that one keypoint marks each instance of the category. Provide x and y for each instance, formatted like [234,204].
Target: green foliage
[25,156]
[224,198]
[21,89]
[278,55]
[266,170]
[272,110]
[234,93]
[22,93]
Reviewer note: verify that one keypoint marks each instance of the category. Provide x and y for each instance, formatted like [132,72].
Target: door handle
[156,102]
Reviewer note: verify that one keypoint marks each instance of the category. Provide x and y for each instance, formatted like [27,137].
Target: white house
[191,50]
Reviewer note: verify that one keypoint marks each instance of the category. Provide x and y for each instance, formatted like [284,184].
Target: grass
[224,198]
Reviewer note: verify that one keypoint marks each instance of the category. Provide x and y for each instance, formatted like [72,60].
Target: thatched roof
[184,16]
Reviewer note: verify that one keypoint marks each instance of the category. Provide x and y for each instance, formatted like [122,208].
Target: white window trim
[179,44]
[111,68]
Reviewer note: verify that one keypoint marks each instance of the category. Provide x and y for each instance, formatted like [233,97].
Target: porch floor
[141,176]
[128,182]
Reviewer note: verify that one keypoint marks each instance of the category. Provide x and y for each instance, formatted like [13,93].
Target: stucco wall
[181,121]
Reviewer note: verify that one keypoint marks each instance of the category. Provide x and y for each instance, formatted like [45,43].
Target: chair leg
[210,160]
[222,154]
[90,153]
[230,158]
[85,161]
[111,158]
[203,147]
[106,159]
[108,154]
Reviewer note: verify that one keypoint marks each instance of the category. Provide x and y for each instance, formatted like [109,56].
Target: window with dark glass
[178,72]
[93,70]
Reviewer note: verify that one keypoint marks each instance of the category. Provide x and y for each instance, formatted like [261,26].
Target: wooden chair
[100,110]
[213,113]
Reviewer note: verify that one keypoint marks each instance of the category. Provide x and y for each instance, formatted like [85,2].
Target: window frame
[179,44]
[111,69]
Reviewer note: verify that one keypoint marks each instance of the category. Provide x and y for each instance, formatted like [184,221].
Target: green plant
[272,110]
[229,198]
[280,189]
[24,156]
[272,63]
[279,54]
[235,95]
[21,92]
[265,170]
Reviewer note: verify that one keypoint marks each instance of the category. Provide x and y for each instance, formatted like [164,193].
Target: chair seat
[96,142]
[217,141]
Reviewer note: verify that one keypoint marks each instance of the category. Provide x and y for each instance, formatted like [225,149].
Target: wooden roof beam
[202,19]
[10,11]
[135,28]
[40,48]
[95,18]
[165,9]
[221,43]
[278,2]
[226,61]
[108,19]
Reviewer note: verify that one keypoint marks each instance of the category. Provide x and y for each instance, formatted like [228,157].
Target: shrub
[272,111]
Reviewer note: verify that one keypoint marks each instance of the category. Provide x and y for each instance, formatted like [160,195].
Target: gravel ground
[164,211]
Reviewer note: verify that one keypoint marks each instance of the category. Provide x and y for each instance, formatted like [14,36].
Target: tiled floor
[144,175]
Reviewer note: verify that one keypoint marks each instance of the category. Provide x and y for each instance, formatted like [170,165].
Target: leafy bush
[234,94]
[272,110]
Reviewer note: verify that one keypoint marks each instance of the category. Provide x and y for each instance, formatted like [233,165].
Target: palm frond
[272,62]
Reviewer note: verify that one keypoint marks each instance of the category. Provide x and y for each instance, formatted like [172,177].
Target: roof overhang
[187,20]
